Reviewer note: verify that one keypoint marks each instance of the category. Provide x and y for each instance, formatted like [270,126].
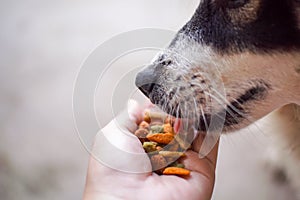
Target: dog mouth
[164,101]
[233,113]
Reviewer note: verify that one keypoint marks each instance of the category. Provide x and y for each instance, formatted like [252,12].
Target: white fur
[279,69]
[284,127]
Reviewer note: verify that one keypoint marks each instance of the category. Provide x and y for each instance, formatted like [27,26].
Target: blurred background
[43,44]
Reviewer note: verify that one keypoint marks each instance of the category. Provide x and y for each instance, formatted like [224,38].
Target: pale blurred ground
[43,44]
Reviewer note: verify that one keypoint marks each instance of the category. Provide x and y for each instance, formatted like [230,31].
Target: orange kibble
[162,138]
[176,171]
[144,125]
[162,144]
[168,128]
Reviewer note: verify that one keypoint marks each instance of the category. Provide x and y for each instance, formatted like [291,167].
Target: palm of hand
[106,183]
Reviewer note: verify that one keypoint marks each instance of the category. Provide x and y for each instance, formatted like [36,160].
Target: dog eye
[233,4]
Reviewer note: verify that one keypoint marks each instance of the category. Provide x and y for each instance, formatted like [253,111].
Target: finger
[202,175]
[202,168]
[120,150]
[195,164]
[212,155]
[116,147]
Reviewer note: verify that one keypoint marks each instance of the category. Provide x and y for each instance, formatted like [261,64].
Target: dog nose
[145,81]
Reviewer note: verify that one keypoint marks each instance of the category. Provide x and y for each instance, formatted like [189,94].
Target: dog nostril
[166,62]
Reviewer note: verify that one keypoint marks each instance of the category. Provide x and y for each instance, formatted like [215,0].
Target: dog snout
[146,80]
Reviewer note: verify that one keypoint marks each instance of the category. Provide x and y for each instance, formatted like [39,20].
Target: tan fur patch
[245,14]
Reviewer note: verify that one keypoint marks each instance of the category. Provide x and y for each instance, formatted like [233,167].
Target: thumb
[117,148]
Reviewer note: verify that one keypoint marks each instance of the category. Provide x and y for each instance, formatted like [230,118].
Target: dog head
[241,57]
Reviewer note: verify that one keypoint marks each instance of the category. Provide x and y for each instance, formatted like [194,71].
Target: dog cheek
[224,79]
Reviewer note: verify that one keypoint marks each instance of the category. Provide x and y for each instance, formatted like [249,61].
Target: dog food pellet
[158,162]
[168,128]
[144,125]
[154,116]
[179,165]
[141,134]
[172,154]
[147,117]
[156,129]
[160,141]
[163,138]
[176,171]
[149,146]
[172,146]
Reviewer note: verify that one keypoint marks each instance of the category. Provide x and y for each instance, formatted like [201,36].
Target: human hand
[107,177]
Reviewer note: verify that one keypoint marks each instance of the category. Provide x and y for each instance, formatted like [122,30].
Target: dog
[250,50]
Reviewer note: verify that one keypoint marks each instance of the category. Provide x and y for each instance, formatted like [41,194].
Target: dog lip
[147,89]
[234,108]
[143,91]
[175,110]
[234,112]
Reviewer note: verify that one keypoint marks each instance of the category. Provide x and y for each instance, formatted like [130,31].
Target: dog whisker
[229,104]
[221,102]
[204,118]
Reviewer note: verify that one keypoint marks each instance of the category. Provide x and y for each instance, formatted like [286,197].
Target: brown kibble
[162,138]
[141,133]
[173,146]
[173,154]
[168,128]
[157,135]
[144,125]
[147,117]
[158,162]
[170,160]
[153,116]
[176,171]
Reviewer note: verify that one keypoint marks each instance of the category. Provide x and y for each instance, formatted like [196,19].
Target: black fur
[274,29]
